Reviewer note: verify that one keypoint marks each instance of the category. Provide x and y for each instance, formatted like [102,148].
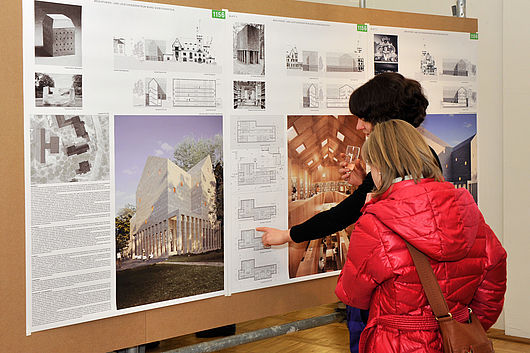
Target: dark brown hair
[389,96]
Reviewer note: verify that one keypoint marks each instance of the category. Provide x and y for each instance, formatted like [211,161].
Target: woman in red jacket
[412,202]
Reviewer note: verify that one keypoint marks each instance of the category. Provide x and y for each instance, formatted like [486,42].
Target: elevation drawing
[338,96]
[459,97]
[459,68]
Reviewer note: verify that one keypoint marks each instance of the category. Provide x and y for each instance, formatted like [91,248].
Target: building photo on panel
[58,90]
[69,148]
[57,34]
[169,207]
[454,139]
[314,145]
[249,48]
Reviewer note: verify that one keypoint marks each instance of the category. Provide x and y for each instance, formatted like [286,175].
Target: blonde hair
[398,150]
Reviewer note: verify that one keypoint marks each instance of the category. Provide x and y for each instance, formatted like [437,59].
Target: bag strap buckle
[449,316]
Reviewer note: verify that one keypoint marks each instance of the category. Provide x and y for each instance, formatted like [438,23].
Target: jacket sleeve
[366,266]
[489,298]
[336,218]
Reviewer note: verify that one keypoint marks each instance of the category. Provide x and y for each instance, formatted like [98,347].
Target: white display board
[156,142]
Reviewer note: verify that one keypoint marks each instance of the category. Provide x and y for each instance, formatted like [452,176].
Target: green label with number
[362,28]
[473,36]
[218,14]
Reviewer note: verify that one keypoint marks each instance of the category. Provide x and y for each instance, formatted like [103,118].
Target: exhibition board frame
[161,323]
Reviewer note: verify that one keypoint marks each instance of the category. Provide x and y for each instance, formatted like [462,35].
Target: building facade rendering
[175,210]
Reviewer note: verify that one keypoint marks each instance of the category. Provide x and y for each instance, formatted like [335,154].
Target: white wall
[503,126]
[516,163]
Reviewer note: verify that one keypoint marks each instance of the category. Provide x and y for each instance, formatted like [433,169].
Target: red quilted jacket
[445,224]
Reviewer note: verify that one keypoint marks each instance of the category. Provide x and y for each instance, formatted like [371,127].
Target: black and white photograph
[385,48]
[58,90]
[69,148]
[57,34]
[249,95]
[379,68]
[249,49]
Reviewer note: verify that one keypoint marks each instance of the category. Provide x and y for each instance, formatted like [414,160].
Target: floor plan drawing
[194,93]
[263,166]
[258,155]
[247,209]
[251,131]
[249,240]
[250,270]
[251,174]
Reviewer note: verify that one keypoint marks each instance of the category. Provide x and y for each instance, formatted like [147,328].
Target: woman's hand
[354,177]
[274,236]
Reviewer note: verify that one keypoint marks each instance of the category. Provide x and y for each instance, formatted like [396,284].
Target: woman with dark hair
[384,97]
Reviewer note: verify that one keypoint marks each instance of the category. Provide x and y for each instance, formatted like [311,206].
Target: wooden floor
[324,339]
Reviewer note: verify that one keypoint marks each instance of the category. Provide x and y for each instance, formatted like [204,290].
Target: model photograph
[69,148]
[57,34]
[249,49]
[454,139]
[314,145]
[169,207]
[58,90]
